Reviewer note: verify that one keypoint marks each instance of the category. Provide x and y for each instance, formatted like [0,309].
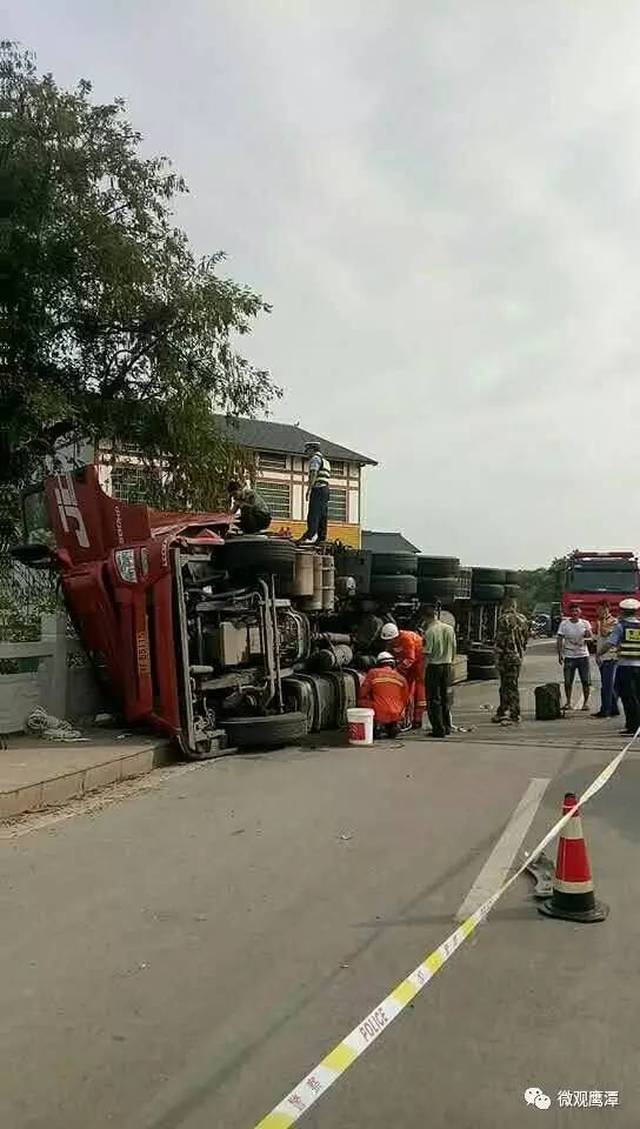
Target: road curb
[56,790]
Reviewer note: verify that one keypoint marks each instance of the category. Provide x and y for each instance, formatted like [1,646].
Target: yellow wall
[348,534]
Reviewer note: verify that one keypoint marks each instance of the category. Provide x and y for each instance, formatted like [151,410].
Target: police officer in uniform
[317,494]
[626,638]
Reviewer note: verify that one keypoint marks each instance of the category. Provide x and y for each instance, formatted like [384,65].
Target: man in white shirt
[574,635]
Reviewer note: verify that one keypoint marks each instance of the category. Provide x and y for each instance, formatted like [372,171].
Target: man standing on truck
[574,635]
[317,494]
[626,637]
[511,641]
[252,510]
[386,692]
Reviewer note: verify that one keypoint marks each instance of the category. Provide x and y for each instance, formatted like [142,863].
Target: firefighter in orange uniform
[386,693]
[408,651]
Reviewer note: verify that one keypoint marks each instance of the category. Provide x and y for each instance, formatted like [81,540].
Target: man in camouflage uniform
[511,642]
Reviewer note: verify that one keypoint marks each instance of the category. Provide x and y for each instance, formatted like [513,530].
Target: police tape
[334,1065]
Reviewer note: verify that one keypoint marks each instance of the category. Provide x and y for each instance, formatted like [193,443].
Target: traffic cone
[573,897]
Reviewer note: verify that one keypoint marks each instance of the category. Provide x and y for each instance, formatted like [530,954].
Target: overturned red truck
[190,632]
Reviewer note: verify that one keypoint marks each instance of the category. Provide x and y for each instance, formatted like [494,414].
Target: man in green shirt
[439,653]
[252,510]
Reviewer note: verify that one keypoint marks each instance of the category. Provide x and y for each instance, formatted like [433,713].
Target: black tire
[488,593]
[33,556]
[299,698]
[482,673]
[251,556]
[327,691]
[482,658]
[395,587]
[488,576]
[438,566]
[437,587]
[512,576]
[266,732]
[512,590]
[394,564]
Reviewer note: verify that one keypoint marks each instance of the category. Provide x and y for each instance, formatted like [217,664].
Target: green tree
[112,326]
[542,585]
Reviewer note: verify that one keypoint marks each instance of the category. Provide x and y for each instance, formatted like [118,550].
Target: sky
[441,199]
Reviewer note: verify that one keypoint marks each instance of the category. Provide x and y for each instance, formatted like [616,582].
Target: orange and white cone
[573,895]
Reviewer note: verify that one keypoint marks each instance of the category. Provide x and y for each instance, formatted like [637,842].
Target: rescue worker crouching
[408,651]
[386,692]
[250,508]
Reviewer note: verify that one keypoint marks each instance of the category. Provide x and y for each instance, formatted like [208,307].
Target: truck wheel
[395,587]
[488,576]
[482,673]
[485,657]
[267,732]
[488,593]
[267,556]
[438,566]
[394,564]
[299,698]
[437,587]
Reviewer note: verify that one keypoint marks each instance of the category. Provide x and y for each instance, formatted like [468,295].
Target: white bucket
[360,726]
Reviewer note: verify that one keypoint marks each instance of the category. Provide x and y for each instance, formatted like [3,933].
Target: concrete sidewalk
[37,773]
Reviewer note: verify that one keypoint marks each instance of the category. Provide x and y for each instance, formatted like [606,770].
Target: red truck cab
[115,565]
[592,578]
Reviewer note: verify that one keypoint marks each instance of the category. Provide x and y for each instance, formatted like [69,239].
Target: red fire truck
[593,577]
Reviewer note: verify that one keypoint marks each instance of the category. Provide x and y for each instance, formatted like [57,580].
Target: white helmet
[389,631]
[385,658]
[630,605]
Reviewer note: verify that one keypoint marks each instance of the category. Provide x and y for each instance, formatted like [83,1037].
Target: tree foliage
[542,585]
[113,327]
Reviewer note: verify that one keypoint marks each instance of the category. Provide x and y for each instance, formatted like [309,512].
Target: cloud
[441,202]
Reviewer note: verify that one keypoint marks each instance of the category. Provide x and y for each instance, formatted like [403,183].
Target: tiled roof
[285,438]
[386,542]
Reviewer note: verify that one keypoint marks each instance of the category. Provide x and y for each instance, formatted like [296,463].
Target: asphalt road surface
[181,958]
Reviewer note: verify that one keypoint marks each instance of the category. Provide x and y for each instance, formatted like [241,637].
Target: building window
[338,468]
[132,483]
[277,495]
[268,460]
[338,505]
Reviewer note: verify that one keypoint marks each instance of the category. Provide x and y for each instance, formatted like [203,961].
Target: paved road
[179,959]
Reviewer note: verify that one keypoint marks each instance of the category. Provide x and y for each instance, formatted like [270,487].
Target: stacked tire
[481,663]
[438,579]
[488,585]
[512,583]
[393,576]
[491,585]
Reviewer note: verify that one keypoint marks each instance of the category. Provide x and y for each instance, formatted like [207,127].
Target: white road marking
[498,865]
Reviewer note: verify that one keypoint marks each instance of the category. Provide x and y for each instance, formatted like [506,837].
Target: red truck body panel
[127,625]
